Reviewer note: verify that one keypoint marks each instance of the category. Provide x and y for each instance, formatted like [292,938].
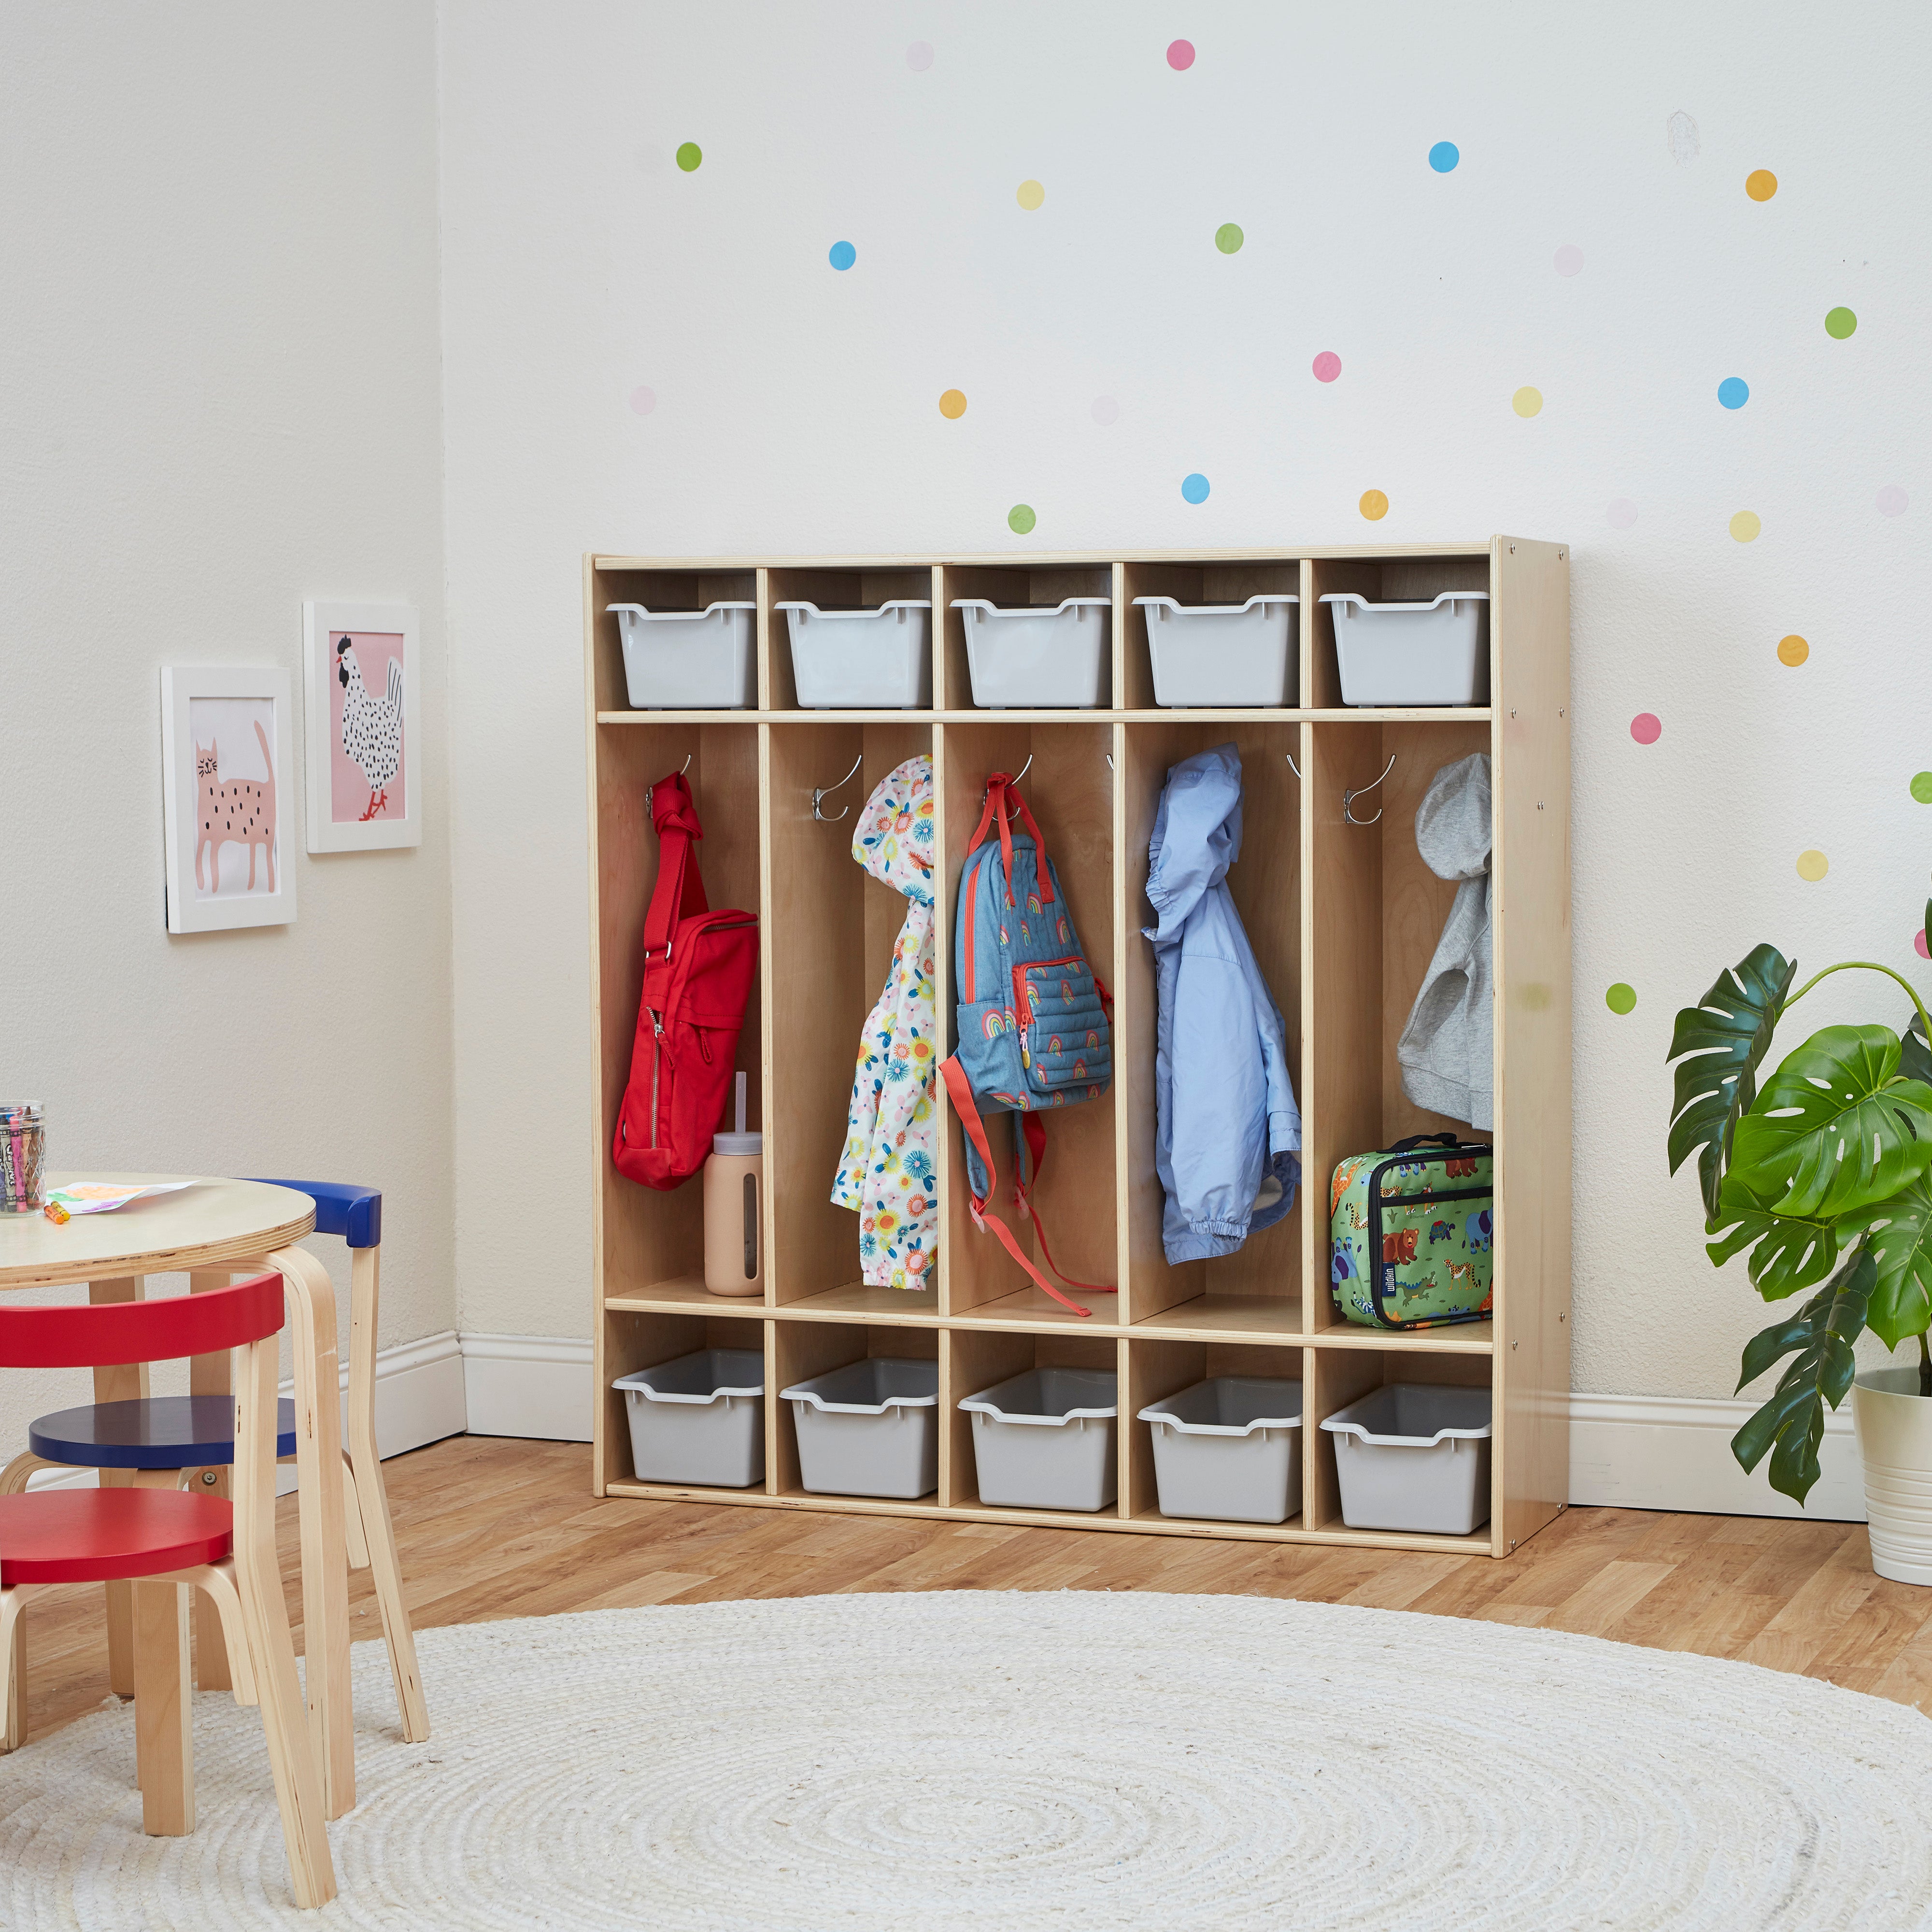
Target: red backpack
[700,967]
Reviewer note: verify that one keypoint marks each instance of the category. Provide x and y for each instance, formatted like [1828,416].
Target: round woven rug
[982,1759]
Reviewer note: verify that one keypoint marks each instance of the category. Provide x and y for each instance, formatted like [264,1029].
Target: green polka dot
[1922,787]
[1839,323]
[1621,998]
[688,156]
[1020,519]
[1228,239]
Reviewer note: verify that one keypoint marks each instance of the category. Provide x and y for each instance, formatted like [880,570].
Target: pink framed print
[362,676]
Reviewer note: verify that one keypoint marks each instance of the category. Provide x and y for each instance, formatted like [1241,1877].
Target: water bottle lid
[739,1144]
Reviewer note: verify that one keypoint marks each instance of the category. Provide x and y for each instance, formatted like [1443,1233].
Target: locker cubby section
[855,587]
[635,1340]
[1010,587]
[650,1244]
[1396,579]
[1223,580]
[657,589]
[828,952]
[976,1360]
[802,1349]
[1069,787]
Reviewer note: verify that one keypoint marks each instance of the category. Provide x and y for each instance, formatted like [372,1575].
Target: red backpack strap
[1034,1129]
[1004,802]
[679,891]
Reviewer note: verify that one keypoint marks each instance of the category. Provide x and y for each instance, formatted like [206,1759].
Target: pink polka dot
[919,56]
[1621,514]
[1891,501]
[1918,943]
[1569,259]
[643,401]
[1646,727]
[1105,410]
[1180,56]
[1327,366]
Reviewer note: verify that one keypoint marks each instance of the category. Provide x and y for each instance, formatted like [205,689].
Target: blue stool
[182,1435]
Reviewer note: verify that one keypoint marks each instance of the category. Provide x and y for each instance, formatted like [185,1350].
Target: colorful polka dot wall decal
[1374,505]
[1327,366]
[1020,519]
[842,255]
[1812,866]
[688,156]
[1734,392]
[1105,410]
[1760,184]
[1621,514]
[1792,650]
[1746,525]
[1194,488]
[952,404]
[643,401]
[1030,195]
[1839,323]
[1180,56]
[1444,156]
[1922,787]
[1569,259]
[1227,238]
[1621,998]
[919,56]
[1646,727]
[1892,501]
[1527,402]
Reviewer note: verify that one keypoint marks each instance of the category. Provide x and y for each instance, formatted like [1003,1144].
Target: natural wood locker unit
[1342,913]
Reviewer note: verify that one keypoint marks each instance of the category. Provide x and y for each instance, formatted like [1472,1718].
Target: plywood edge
[596,1021]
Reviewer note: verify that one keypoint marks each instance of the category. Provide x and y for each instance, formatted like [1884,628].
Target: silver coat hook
[820,793]
[650,788]
[1291,765]
[1349,798]
[1017,776]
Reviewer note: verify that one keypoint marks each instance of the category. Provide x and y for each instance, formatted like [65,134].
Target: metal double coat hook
[1349,797]
[820,793]
[650,788]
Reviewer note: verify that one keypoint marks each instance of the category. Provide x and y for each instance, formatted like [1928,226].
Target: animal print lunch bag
[1414,1234]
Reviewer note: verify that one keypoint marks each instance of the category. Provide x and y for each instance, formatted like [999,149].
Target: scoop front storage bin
[868,1428]
[699,1419]
[689,660]
[863,660]
[1037,656]
[1045,1439]
[1415,1455]
[1222,654]
[1229,1449]
[1434,653]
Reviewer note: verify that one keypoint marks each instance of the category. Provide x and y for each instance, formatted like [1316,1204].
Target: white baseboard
[531,1385]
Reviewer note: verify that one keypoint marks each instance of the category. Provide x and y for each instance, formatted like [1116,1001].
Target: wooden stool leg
[163,1732]
[209,1375]
[13,1668]
[124,1382]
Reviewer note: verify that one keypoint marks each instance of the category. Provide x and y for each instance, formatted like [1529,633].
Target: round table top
[214,1222]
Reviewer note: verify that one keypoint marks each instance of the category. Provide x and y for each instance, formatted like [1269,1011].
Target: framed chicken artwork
[364,782]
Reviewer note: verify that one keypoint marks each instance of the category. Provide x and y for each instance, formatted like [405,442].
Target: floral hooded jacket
[888,1172]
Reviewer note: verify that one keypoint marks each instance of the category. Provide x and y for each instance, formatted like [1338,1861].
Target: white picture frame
[228,797]
[381,639]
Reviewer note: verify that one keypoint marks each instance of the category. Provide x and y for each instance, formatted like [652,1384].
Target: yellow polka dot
[1374,505]
[952,404]
[1745,526]
[1792,650]
[1031,194]
[1812,865]
[1527,402]
[1760,184]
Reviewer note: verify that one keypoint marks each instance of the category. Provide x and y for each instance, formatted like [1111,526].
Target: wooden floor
[489,1528]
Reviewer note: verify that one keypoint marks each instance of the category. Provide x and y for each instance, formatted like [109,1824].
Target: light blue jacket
[1228,1130]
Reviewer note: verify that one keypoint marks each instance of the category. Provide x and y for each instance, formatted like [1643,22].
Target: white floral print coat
[888,1172]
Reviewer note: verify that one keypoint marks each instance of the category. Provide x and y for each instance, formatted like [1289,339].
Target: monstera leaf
[1833,1128]
[1788,1252]
[1898,1234]
[1915,1057]
[1792,1424]
[1729,1031]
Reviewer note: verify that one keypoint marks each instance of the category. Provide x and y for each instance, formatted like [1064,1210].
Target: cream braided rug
[880,1763]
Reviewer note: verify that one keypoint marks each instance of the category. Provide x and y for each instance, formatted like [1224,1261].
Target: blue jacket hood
[1197,836]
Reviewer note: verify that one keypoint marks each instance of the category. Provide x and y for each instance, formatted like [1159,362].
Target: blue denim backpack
[1033,1028]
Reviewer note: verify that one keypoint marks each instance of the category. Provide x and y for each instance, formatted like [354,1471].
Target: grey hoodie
[1446,1049]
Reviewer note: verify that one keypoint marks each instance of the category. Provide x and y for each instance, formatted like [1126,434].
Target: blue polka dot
[1195,487]
[1444,156]
[1734,392]
[843,255]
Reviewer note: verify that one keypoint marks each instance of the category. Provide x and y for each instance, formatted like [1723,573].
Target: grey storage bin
[1239,655]
[1413,654]
[699,1419]
[689,660]
[1038,656]
[878,660]
[1229,1448]
[868,1429]
[1415,1455]
[1045,1439]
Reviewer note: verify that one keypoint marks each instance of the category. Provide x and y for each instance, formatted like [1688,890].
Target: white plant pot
[1895,1425]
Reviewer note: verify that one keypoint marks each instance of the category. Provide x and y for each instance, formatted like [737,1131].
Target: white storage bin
[868,1428]
[1048,657]
[1045,1439]
[1229,1448]
[699,1419]
[1434,653]
[689,660]
[863,660]
[1415,1455]
[1223,654]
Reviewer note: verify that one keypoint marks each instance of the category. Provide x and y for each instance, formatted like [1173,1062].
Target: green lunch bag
[1413,1231]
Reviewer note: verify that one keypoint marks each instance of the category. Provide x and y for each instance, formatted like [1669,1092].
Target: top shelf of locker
[1029,560]
[1360,714]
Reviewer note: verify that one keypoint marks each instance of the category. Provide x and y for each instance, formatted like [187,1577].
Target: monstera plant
[1824,1175]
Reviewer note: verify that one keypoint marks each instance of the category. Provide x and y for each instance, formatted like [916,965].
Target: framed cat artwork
[228,797]
[361,678]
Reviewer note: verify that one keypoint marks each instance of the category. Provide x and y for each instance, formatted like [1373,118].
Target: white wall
[797,411]
[219,358]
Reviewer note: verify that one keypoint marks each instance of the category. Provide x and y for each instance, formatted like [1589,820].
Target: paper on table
[102,1197]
